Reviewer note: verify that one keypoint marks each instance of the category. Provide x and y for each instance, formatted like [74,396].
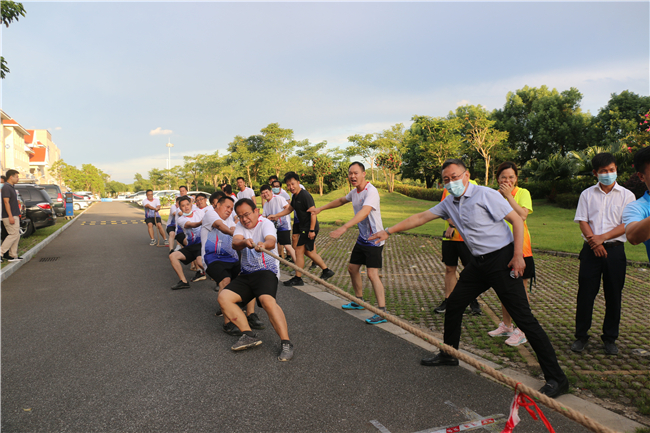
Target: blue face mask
[275,190]
[607,178]
[187,214]
[455,188]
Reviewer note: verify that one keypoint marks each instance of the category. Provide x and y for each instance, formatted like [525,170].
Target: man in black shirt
[301,200]
[11,217]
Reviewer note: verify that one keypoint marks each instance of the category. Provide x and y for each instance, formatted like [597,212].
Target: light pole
[169,163]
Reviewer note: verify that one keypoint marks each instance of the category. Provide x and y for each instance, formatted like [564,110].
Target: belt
[485,257]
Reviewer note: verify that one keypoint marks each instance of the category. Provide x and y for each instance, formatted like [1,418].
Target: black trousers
[491,270]
[612,270]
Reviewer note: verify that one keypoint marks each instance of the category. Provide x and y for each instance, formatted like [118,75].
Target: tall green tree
[366,147]
[392,145]
[620,118]
[318,157]
[278,144]
[11,11]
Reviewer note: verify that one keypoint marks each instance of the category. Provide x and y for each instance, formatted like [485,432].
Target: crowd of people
[223,236]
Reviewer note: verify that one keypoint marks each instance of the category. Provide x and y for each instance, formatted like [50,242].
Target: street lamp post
[169,163]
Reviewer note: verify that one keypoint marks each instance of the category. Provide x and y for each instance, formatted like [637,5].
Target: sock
[383,309]
[249,333]
[285,341]
[361,299]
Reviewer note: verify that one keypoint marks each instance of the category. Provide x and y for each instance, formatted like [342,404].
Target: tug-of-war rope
[522,392]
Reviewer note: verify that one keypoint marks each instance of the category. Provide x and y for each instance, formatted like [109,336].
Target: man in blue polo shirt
[636,215]
[480,214]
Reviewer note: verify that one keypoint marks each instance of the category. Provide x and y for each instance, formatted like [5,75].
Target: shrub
[420,193]
[567,200]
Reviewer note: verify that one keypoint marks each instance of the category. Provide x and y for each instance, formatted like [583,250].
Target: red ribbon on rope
[526,402]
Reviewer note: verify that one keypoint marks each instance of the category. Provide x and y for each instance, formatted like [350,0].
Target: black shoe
[218,312]
[181,285]
[475,308]
[441,308]
[611,349]
[439,359]
[327,273]
[200,276]
[254,322]
[578,346]
[15,259]
[230,329]
[295,281]
[553,389]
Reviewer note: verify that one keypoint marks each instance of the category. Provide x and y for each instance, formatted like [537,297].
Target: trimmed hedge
[420,193]
[567,200]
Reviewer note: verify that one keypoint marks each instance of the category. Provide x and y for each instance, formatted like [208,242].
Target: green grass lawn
[551,227]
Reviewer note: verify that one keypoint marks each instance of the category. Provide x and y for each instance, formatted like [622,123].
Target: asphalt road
[96,341]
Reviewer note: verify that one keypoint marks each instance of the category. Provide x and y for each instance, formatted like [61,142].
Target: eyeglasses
[246,215]
[446,180]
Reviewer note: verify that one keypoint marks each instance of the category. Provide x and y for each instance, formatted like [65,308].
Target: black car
[38,204]
[54,191]
[26,226]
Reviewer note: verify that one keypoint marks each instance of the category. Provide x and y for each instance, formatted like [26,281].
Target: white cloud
[160,131]
[462,102]
[58,128]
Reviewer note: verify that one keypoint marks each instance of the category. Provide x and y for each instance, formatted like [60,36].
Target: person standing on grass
[244,191]
[367,215]
[600,215]
[519,199]
[454,248]
[274,204]
[301,200]
[10,217]
[258,279]
[190,222]
[152,217]
[636,215]
[480,214]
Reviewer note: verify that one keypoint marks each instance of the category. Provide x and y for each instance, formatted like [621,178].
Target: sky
[115,82]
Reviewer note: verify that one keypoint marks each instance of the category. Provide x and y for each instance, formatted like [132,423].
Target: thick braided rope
[546,401]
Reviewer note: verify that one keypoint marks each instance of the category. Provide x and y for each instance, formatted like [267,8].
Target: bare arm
[192,225]
[360,216]
[286,211]
[331,205]
[223,228]
[409,223]
[239,243]
[517,264]
[638,231]
[599,250]
[268,244]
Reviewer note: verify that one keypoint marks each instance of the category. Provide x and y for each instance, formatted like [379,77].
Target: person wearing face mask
[600,215]
[480,214]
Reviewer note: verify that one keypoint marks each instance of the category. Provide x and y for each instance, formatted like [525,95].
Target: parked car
[57,198]
[38,204]
[26,226]
[79,202]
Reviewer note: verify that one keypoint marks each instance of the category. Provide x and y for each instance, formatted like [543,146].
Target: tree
[392,144]
[141,184]
[241,154]
[321,162]
[366,147]
[56,169]
[157,178]
[619,119]
[192,167]
[479,132]
[278,146]
[10,11]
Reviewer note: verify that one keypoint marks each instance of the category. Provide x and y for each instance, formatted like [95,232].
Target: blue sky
[102,76]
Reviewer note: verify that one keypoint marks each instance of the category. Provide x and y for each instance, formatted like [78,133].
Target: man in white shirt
[151,216]
[274,204]
[171,224]
[367,215]
[600,215]
[258,278]
[244,191]
[190,222]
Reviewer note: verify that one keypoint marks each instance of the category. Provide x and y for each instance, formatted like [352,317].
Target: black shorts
[284,237]
[170,229]
[366,255]
[251,286]
[304,240]
[219,270]
[151,220]
[191,253]
[453,250]
[529,272]
[180,237]
[296,230]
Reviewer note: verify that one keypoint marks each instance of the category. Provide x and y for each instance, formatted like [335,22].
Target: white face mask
[455,188]
[187,214]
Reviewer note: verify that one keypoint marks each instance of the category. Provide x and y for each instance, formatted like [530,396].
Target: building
[46,153]
[15,153]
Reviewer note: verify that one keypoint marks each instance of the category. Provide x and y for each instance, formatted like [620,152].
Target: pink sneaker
[501,331]
[516,338]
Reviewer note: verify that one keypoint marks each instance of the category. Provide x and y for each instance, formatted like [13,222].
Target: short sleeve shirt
[246,193]
[150,213]
[171,221]
[603,212]
[637,211]
[193,235]
[479,217]
[456,237]
[523,199]
[372,224]
[216,245]
[275,205]
[301,202]
[251,260]
[8,191]
[284,195]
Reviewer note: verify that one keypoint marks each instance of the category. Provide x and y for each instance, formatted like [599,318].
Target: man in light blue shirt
[636,216]
[498,261]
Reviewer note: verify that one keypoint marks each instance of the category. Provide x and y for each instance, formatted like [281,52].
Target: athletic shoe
[181,285]
[295,281]
[216,287]
[289,259]
[218,312]
[153,242]
[286,353]
[14,259]
[554,389]
[502,331]
[352,306]
[246,342]
[327,273]
[475,308]
[231,329]
[166,241]
[254,322]
[516,338]
[200,276]
[439,359]
[578,346]
[441,308]
[376,320]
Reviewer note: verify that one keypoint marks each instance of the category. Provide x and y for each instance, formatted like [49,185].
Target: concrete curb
[13,267]
[598,413]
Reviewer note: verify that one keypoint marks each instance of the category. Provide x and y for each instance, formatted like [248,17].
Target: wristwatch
[386,230]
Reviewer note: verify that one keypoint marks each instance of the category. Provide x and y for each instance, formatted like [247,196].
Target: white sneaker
[516,338]
[153,242]
[501,331]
